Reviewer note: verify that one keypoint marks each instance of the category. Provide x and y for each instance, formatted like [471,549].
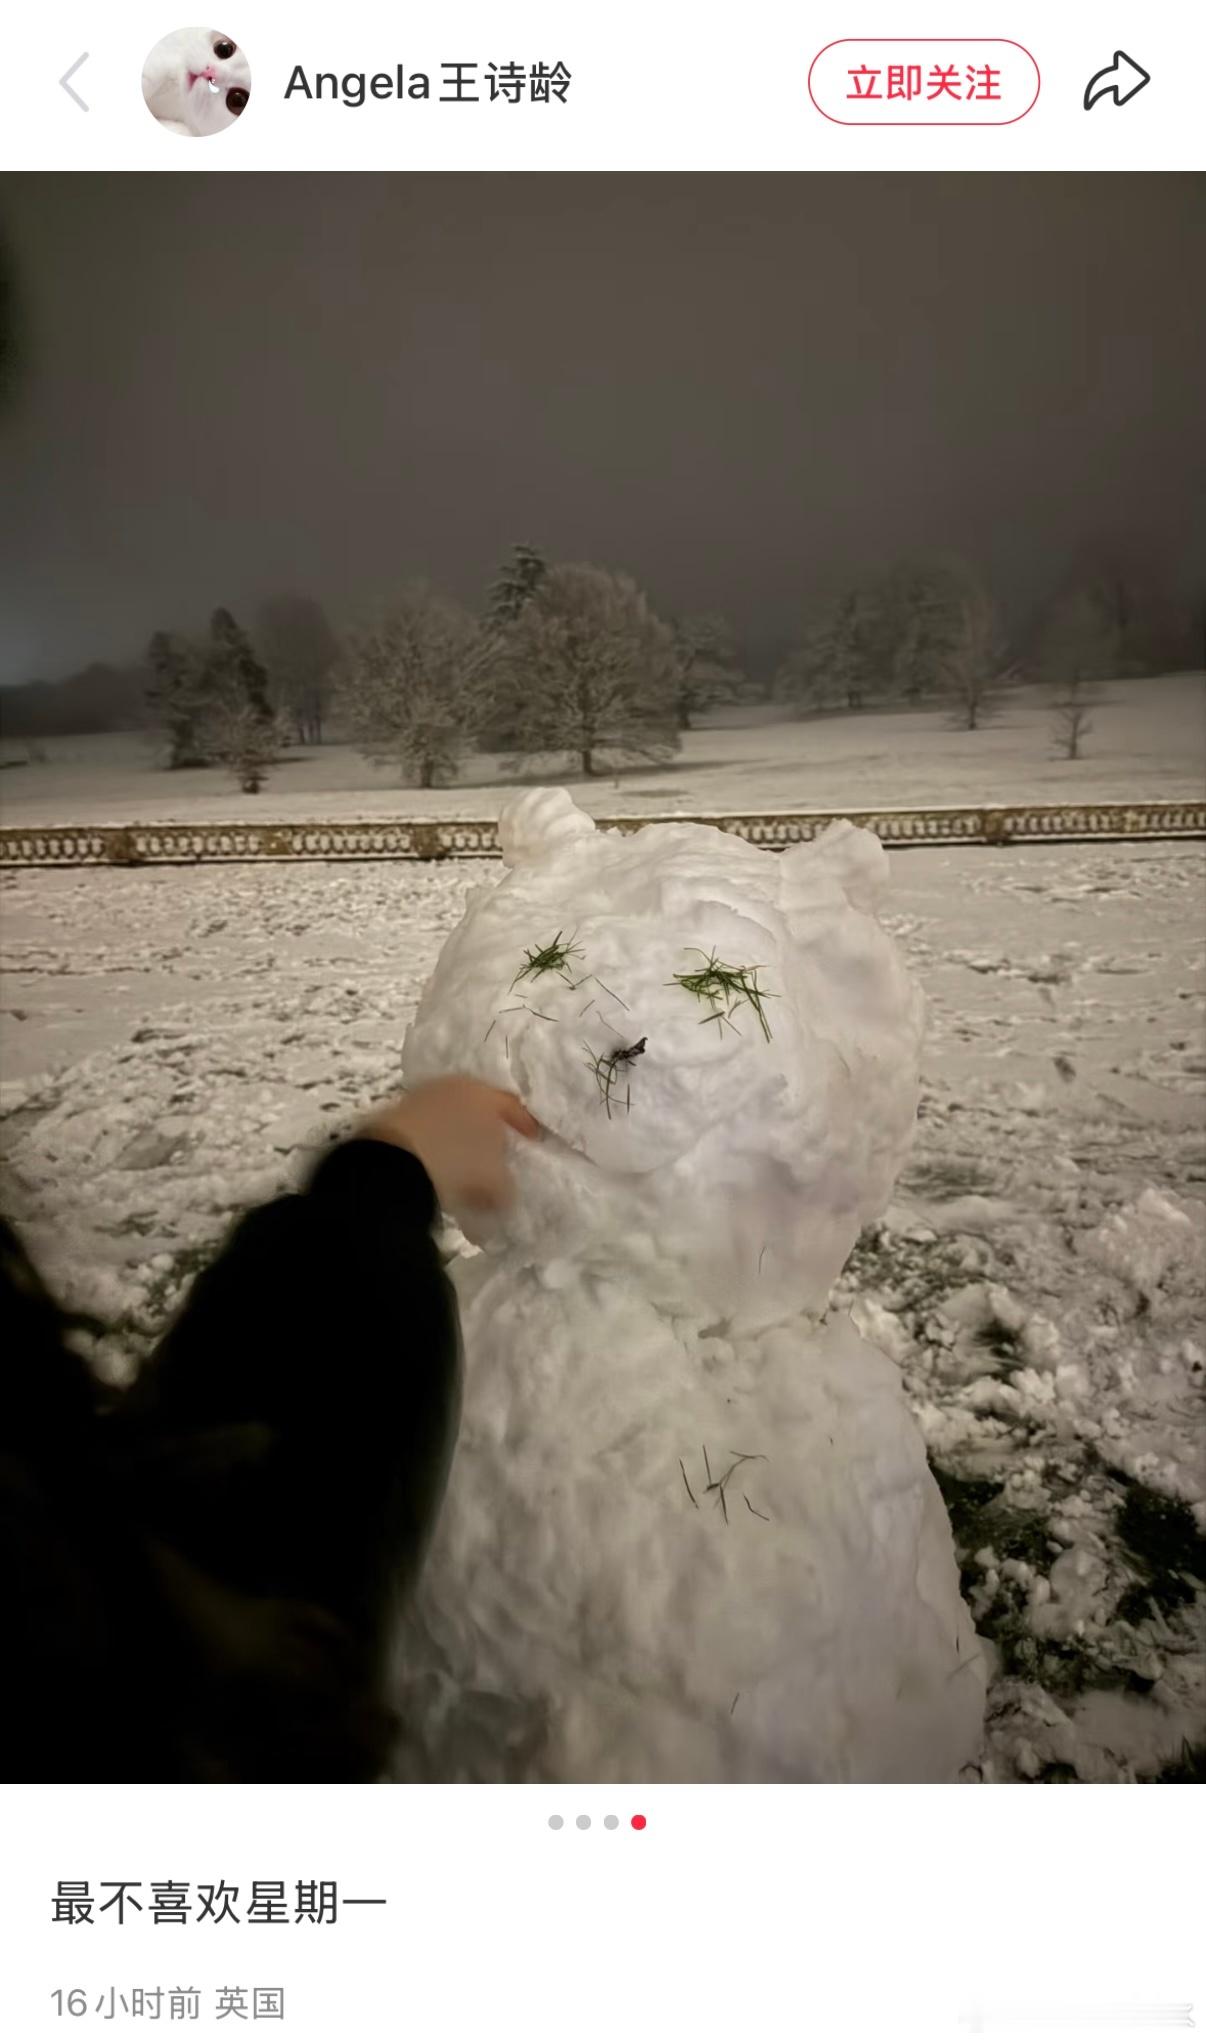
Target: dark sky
[737,387]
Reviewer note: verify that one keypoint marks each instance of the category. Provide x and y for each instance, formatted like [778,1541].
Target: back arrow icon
[1124,78]
[70,89]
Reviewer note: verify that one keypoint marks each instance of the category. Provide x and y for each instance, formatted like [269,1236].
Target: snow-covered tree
[889,637]
[517,579]
[176,698]
[233,664]
[514,585]
[240,723]
[238,737]
[923,605]
[590,669]
[413,688]
[708,667]
[831,666]
[299,650]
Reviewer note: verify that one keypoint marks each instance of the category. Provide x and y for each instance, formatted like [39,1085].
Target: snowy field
[175,1043]
[1148,740]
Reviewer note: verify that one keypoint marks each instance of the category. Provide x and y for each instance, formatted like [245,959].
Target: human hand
[457,1129]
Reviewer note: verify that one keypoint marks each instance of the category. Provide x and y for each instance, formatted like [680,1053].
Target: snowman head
[721,1044]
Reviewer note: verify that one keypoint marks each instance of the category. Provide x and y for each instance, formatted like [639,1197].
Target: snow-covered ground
[174,1042]
[1148,740]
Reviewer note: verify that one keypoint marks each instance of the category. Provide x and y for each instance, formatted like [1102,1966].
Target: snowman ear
[853,857]
[539,823]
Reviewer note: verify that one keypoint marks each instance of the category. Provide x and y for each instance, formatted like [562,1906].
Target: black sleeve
[328,1323]
[309,1292]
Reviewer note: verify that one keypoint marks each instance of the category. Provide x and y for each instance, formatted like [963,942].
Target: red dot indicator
[638,1822]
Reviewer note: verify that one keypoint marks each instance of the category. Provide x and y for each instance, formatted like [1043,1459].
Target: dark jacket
[203,1570]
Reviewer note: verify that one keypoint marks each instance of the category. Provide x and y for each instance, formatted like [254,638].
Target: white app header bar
[632,87]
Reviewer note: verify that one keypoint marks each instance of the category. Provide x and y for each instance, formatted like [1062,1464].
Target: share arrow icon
[1123,79]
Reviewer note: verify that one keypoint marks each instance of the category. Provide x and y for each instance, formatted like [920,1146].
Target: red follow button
[923,82]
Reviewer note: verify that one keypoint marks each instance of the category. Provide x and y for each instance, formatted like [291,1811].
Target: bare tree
[589,669]
[974,669]
[1079,643]
[413,689]
[299,650]
[1071,721]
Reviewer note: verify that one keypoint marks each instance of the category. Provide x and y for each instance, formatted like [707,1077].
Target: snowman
[690,1533]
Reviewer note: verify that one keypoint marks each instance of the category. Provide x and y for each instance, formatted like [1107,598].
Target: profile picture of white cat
[196,81]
